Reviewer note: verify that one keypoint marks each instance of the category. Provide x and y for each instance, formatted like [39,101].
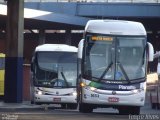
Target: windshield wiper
[106,70]
[64,79]
[124,73]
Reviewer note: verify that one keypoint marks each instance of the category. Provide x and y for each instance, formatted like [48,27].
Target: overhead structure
[47,20]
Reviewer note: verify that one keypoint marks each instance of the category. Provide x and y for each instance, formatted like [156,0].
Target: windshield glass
[114,58]
[131,55]
[56,69]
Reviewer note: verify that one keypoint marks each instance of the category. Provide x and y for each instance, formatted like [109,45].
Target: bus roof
[115,27]
[56,47]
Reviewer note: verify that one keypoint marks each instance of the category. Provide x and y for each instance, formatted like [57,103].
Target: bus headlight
[39,92]
[137,91]
[92,88]
[74,93]
[82,84]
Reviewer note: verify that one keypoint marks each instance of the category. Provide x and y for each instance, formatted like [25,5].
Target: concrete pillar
[41,36]
[68,37]
[14,52]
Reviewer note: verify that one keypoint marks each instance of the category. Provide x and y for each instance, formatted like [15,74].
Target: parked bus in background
[54,75]
[2,72]
[155,88]
[113,60]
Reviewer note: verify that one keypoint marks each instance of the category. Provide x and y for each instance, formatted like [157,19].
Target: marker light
[82,84]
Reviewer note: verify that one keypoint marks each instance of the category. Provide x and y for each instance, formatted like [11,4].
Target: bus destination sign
[102,38]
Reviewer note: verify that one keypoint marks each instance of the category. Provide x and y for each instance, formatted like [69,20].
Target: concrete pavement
[25,105]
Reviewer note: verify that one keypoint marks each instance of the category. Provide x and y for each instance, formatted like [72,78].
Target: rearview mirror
[150,52]
[80,48]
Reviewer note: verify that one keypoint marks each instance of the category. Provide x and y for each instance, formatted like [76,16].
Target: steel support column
[41,36]
[14,52]
[68,37]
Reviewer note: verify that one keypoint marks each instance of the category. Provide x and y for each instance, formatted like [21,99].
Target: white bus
[113,65]
[54,75]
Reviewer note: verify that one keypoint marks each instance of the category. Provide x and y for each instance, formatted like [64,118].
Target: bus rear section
[54,75]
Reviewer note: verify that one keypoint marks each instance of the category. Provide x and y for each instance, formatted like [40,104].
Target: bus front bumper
[137,99]
[55,99]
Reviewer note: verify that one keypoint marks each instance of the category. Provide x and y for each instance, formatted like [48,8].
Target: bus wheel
[37,103]
[72,106]
[63,106]
[153,105]
[129,110]
[85,108]
[158,106]
[134,110]
[123,111]
[32,102]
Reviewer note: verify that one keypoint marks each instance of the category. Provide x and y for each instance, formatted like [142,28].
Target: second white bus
[54,75]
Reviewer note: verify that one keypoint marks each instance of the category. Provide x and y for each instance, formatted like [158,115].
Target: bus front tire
[32,102]
[37,103]
[133,110]
[158,106]
[63,106]
[72,106]
[85,108]
[69,106]
[153,105]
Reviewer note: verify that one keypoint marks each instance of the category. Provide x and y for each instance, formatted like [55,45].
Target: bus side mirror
[150,52]
[158,69]
[80,48]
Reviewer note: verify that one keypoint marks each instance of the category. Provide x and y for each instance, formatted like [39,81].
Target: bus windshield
[114,57]
[56,69]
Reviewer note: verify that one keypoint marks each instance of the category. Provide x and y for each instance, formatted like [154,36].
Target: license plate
[57,99]
[113,99]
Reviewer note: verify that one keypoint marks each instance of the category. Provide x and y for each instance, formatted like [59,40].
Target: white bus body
[54,75]
[112,66]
